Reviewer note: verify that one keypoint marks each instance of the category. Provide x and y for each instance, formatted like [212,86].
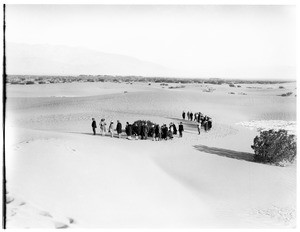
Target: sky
[227,41]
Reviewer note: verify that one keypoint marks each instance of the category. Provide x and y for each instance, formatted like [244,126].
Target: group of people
[139,130]
[203,121]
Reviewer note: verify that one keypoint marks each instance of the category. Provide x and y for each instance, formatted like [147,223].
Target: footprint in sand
[45,214]
[60,225]
[71,221]
[9,199]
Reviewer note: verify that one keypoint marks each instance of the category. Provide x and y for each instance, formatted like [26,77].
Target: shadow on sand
[226,153]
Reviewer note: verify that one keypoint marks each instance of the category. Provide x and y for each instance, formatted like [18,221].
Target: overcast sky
[198,41]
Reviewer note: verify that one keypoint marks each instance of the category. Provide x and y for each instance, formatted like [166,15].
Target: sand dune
[56,166]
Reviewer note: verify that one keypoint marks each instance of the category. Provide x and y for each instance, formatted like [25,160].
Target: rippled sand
[56,166]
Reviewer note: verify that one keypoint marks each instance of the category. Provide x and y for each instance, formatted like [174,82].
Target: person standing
[205,124]
[111,129]
[103,126]
[180,129]
[135,131]
[199,116]
[142,131]
[152,132]
[183,115]
[174,129]
[119,128]
[157,132]
[146,130]
[191,116]
[199,127]
[94,126]
[209,123]
[164,131]
[188,115]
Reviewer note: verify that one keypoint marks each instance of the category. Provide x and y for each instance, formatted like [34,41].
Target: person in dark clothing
[119,128]
[139,129]
[188,115]
[146,130]
[183,115]
[180,129]
[191,116]
[135,130]
[128,130]
[94,126]
[205,124]
[164,132]
[209,124]
[142,131]
[157,132]
[151,132]
[174,129]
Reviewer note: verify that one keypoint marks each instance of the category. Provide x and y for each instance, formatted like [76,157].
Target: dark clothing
[135,129]
[164,132]
[174,129]
[144,132]
[199,117]
[191,116]
[183,115]
[151,131]
[119,128]
[94,126]
[139,129]
[128,130]
[209,124]
[157,131]
[180,129]
[205,124]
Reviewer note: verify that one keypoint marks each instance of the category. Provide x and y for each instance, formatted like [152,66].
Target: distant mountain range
[25,59]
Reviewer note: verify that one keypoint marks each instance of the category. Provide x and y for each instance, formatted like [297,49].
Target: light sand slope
[104,182]
[55,165]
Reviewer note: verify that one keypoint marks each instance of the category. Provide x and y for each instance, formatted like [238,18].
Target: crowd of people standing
[143,130]
[204,122]
[139,130]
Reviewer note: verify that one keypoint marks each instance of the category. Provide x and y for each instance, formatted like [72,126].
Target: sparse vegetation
[177,87]
[22,79]
[286,94]
[275,147]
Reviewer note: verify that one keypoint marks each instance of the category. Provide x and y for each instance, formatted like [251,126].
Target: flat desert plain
[61,176]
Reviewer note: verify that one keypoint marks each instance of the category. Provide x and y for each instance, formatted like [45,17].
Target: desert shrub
[281,87]
[231,85]
[275,147]
[231,93]
[29,82]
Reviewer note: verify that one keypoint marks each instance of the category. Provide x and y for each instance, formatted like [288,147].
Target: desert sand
[61,176]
